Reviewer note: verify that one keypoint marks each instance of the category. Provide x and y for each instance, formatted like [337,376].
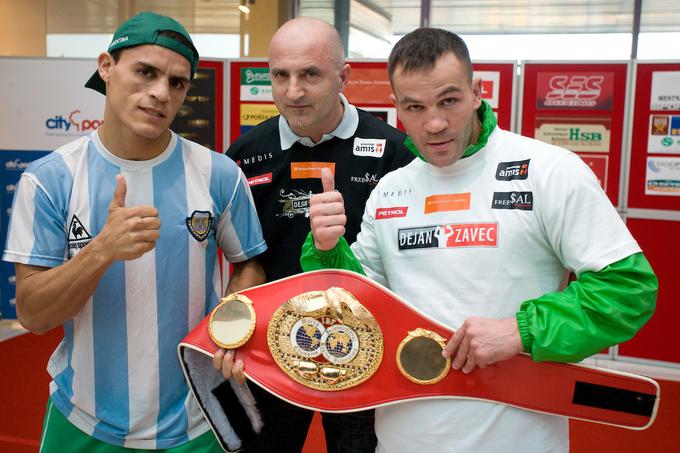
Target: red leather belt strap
[575,391]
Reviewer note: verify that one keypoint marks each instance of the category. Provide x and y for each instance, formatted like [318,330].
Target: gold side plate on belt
[232,322]
[419,357]
[325,340]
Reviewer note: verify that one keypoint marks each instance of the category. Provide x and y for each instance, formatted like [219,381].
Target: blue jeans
[285,428]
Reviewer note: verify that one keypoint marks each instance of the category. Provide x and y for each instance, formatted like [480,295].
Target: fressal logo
[368,178]
[507,171]
[369,147]
[389,213]
[513,200]
[261,179]
[74,123]
[448,236]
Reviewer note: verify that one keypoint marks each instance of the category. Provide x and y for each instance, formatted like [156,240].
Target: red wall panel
[659,339]
[580,94]
[640,138]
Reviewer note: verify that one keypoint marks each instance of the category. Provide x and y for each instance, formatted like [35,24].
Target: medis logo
[513,200]
[507,171]
[449,236]
[78,237]
[369,147]
[294,203]
[199,224]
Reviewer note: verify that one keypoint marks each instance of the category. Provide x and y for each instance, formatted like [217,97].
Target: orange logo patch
[304,170]
[447,202]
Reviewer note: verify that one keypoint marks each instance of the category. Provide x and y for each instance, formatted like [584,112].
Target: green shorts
[60,435]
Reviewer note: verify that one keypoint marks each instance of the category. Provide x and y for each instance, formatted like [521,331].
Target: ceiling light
[244,6]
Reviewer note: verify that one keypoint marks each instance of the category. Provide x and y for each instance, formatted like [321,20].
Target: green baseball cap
[145,28]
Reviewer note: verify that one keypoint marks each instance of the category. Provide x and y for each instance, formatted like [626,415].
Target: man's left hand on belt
[482,341]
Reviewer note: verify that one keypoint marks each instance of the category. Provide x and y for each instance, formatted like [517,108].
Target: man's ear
[343,74]
[477,92]
[393,100]
[105,62]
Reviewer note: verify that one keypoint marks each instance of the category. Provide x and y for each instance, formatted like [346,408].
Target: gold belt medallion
[325,340]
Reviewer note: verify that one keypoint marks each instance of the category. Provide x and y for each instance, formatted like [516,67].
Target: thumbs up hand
[327,214]
[129,232]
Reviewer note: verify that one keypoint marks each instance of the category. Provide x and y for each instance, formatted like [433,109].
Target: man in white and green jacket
[480,233]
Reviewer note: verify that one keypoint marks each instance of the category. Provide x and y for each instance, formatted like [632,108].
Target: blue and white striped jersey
[115,374]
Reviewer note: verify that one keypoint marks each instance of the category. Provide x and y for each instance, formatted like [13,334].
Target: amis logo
[74,123]
[369,147]
[507,171]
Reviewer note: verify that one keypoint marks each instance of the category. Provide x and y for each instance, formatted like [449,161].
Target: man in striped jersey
[115,238]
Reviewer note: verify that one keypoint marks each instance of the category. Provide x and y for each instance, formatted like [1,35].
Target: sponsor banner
[665,90]
[575,134]
[664,134]
[390,213]
[449,236]
[490,86]
[447,202]
[369,147]
[255,76]
[304,170]
[261,179]
[254,114]
[65,111]
[663,176]
[256,93]
[575,90]
[513,200]
[12,165]
[599,164]
[368,86]
[387,114]
[508,171]
[256,85]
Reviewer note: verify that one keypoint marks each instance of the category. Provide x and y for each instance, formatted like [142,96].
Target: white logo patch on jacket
[369,147]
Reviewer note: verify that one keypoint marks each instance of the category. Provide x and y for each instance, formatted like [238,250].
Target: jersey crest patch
[78,237]
[199,224]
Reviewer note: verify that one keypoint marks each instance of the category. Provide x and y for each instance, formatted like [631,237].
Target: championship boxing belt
[335,341]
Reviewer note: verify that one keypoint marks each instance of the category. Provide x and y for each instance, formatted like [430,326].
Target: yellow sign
[254,114]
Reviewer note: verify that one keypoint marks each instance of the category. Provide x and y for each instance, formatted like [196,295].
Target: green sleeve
[340,257]
[597,310]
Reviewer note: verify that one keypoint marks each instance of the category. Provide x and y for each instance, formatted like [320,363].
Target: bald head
[308,73]
[306,32]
